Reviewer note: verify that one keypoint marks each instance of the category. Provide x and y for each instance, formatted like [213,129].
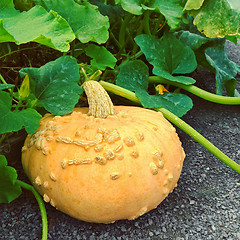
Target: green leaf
[55,85]
[177,103]
[193,40]
[9,189]
[225,69]
[133,75]
[193,4]
[15,121]
[168,56]
[23,5]
[218,18]
[85,20]
[108,10]
[102,58]
[171,10]
[233,39]
[132,6]
[6,86]
[35,25]
[30,119]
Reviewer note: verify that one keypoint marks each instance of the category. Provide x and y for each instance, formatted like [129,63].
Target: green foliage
[191,39]
[85,20]
[218,18]
[55,85]
[15,121]
[177,103]
[171,10]
[132,6]
[168,56]
[101,57]
[35,25]
[133,75]
[50,42]
[6,86]
[193,4]
[9,189]
[225,69]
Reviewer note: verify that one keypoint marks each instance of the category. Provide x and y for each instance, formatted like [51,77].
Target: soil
[205,204]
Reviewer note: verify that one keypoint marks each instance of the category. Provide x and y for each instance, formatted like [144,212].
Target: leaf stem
[198,92]
[19,50]
[139,31]
[136,55]
[2,138]
[122,33]
[146,26]
[159,25]
[178,122]
[2,79]
[115,40]
[19,104]
[41,206]
[4,82]
[73,48]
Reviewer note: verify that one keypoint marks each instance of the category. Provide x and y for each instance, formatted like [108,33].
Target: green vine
[178,122]
[198,92]
[41,206]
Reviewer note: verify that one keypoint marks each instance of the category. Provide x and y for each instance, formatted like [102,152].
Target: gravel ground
[205,205]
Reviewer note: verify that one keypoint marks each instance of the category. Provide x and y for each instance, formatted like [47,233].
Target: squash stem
[41,206]
[198,92]
[178,122]
[100,104]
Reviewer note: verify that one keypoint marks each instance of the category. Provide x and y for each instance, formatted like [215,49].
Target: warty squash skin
[104,169]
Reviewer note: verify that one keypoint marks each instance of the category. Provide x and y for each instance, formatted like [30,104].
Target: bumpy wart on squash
[104,163]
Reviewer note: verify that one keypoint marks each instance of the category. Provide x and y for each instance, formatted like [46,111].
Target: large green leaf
[193,40]
[108,10]
[85,20]
[177,103]
[55,85]
[193,4]
[171,9]
[218,18]
[35,25]
[133,75]
[225,69]
[9,189]
[132,6]
[15,121]
[168,56]
[102,58]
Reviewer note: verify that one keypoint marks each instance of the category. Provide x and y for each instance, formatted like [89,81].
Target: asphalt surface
[205,205]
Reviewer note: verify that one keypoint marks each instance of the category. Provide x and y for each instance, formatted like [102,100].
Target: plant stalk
[41,206]
[199,138]
[198,92]
[123,30]
[19,50]
[178,122]
[146,26]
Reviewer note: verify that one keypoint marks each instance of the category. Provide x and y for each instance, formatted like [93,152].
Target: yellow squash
[104,163]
